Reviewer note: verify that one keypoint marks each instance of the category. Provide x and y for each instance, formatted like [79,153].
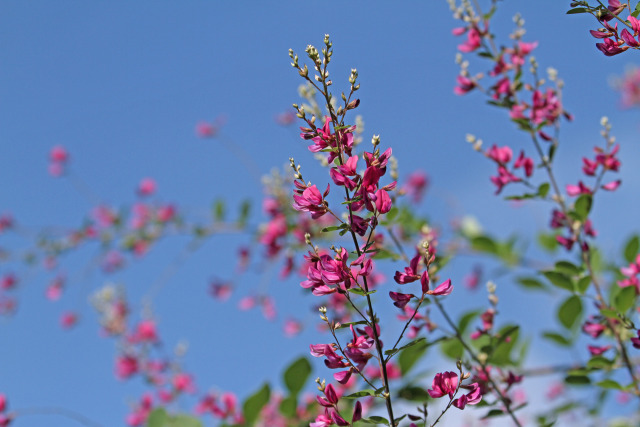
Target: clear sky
[122,85]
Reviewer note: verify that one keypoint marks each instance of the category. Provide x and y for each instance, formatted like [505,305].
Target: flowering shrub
[344,235]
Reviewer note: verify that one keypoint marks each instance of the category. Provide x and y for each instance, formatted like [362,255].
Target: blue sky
[122,85]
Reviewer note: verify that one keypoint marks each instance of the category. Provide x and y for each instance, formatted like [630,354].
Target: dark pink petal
[400,300]
[357,412]
[612,186]
[444,289]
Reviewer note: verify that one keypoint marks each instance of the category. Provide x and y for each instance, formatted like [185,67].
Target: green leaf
[577,10]
[632,247]
[219,210]
[245,209]
[466,319]
[332,228]
[375,420]
[557,338]
[296,375]
[582,206]
[570,311]
[559,279]
[409,356]
[254,404]
[493,413]
[359,291]
[531,283]
[413,393]
[361,393]
[609,384]
[184,421]
[452,348]
[543,189]
[346,325]
[625,299]
[548,242]
[397,420]
[289,406]
[484,244]
[577,380]
[568,268]
[583,284]
[409,344]
[157,418]
[600,362]
[501,354]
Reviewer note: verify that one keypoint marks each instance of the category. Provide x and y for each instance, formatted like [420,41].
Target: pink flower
[59,154]
[146,187]
[400,300]
[383,201]
[68,320]
[145,332]
[410,273]
[465,85]
[612,186]
[597,351]
[593,329]
[575,190]
[292,327]
[416,185]
[444,383]
[443,289]
[525,162]
[472,398]
[309,199]
[3,402]
[611,48]
[126,366]
[474,41]
[206,130]
[183,383]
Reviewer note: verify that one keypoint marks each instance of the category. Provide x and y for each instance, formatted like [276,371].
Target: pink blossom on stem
[445,383]
[473,397]
[400,300]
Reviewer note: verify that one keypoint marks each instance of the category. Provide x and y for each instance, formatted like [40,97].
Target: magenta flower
[472,398]
[593,329]
[474,41]
[612,186]
[465,85]
[500,155]
[146,187]
[575,190]
[443,289]
[309,199]
[126,366]
[636,340]
[629,39]
[68,320]
[410,273]
[400,300]
[444,383]
[611,48]
[598,350]
[383,201]
[525,162]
